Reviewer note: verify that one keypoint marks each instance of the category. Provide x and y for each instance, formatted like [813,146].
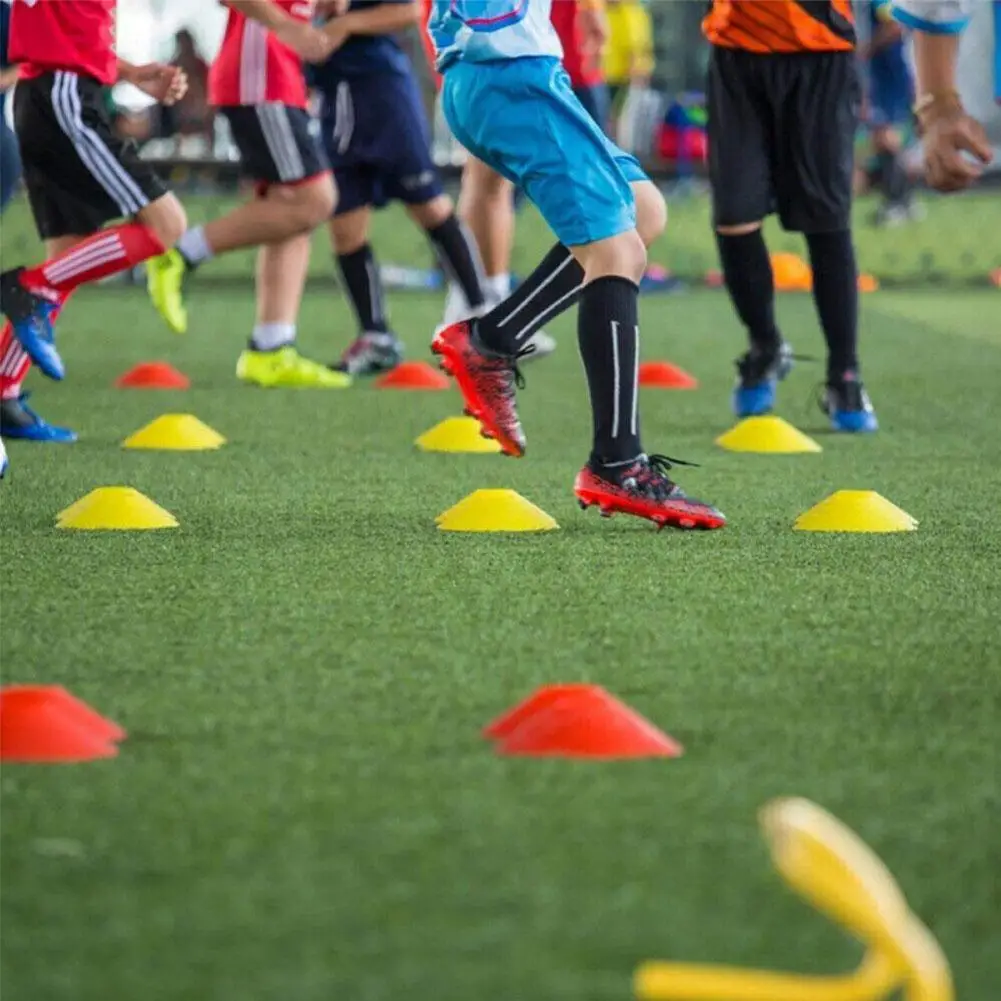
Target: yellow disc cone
[495,511]
[115,508]
[766,434]
[176,432]
[456,434]
[855,511]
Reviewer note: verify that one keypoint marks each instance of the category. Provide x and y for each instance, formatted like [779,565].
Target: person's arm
[300,36]
[379,19]
[953,141]
[165,84]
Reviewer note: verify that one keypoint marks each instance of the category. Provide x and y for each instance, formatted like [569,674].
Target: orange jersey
[781,25]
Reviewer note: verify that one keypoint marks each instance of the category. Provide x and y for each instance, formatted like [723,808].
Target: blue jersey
[479,31]
[362,55]
[888,65]
[4,33]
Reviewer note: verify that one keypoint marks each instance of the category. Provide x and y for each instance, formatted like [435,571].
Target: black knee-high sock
[460,257]
[549,290]
[747,270]
[894,182]
[835,292]
[360,271]
[608,337]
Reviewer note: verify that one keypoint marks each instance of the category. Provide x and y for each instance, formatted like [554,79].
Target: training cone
[664,375]
[766,434]
[115,508]
[413,375]
[580,721]
[495,511]
[456,434]
[868,283]
[153,375]
[791,273]
[40,723]
[176,432]
[855,511]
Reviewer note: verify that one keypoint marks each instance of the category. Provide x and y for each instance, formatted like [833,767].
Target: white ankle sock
[496,288]
[194,247]
[271,336]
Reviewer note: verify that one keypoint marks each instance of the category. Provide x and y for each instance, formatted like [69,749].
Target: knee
[310,204]
[621,256]
[651,212]
[431,215]
[167,218]
[740,229]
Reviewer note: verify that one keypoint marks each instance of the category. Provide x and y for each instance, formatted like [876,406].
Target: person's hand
[165,84]
[310,43]
[337,32]
[8,77]
[955,146]
[593,27]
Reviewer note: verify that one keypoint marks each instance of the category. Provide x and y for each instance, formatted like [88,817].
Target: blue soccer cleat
[848,406]
[18,420]
[758,376]
[30,316]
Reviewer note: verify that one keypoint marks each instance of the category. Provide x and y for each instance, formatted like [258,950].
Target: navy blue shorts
[378,142]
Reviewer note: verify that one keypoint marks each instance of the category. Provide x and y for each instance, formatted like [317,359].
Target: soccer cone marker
[115,509]
[46,724]
[835,871]
[791,273]
[495,511]
[855,511]
[766,435]
[176,432]
[413,375]
[457,434]
[153,375]
[578,721]
[664,375]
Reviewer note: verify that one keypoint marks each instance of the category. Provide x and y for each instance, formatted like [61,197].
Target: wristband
[926,102]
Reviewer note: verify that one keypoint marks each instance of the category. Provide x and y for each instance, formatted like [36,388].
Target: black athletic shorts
[276,143]
[782,137]
[79,174]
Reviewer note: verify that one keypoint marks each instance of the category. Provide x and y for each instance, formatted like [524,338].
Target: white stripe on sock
[539,320]
[616,378]
[529,298]
[634,423]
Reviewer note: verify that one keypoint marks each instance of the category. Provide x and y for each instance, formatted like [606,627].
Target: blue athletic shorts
[520,116]
[889,103]
[376,136]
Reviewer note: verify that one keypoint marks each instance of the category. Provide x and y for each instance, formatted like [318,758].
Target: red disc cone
[540,699]
[588,724]
[413,375]
[664,375]
[153,375]
[37,727]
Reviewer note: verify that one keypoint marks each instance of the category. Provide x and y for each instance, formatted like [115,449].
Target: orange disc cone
[37,727]
[664,375]
[81,713]
[153,375]
[413,375]
[541,698]
[588,723]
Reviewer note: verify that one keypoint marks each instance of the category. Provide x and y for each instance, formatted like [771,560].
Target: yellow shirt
[629,50]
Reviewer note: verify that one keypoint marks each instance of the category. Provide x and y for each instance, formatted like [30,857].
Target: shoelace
[511,364]
[851,395]
[653,476]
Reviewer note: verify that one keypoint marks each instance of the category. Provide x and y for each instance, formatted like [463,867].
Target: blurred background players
[889,97]
[783,101]
[377,139]
[257,82]
[79,176]
[486,200]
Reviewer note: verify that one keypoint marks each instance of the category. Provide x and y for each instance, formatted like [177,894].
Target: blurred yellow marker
[833,869]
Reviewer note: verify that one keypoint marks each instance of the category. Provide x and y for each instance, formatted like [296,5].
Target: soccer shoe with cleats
[285,368]
[18,420]
[30,315]
[758,376]
[165,284]
[848,406]
[370,354]
[643,488]
[488,382]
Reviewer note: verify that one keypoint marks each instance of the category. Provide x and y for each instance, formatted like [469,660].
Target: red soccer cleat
[643,489]
[487,382]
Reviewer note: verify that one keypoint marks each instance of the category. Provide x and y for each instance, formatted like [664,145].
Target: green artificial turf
[305,810]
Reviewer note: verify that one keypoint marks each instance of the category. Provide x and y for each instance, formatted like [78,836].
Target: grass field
[304,809]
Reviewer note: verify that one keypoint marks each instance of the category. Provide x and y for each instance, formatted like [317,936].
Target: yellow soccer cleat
[165,282]
[287,369]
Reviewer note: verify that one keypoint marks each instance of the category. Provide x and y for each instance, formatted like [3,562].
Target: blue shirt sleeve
[937,17]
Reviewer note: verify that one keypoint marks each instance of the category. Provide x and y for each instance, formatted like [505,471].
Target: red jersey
[253,67]
[582,72]
[73,35]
